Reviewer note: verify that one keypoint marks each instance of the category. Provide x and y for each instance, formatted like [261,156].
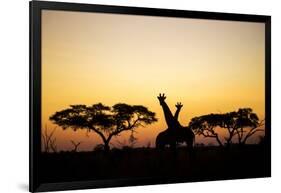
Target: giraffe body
[170,138]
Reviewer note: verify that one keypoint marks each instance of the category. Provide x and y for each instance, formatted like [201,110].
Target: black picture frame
[35,86]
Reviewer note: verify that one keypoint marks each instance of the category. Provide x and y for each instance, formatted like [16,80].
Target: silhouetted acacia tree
[243,123]
[205,125]
[247,124]
[106,121]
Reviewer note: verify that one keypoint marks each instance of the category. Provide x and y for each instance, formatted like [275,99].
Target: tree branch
[214,135]
[117,131]
[98,132]
[251,132]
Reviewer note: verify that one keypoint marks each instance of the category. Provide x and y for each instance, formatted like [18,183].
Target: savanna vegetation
[232,156]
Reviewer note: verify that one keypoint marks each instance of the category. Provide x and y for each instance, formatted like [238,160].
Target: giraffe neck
[177,114]
[170,120]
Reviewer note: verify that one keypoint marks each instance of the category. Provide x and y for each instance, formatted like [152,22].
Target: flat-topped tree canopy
[104,120]
[244,123]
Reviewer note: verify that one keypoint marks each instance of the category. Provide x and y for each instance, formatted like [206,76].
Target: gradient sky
[210,66]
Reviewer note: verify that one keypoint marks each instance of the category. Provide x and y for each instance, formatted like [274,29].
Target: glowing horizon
[208,65]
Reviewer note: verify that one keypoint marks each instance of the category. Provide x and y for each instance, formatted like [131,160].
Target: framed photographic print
[123,96]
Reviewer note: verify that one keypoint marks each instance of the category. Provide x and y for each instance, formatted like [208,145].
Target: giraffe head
[161,98]
[179,105]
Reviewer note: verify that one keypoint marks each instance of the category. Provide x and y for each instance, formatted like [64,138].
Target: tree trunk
[229,139]
[219,141]
[106,146]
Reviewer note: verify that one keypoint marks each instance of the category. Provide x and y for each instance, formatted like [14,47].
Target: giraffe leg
[190,142]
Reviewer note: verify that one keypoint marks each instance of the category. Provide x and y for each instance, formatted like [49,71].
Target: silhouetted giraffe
[166,137]
[175,133]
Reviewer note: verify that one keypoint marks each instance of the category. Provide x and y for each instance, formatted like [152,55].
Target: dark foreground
[207,163]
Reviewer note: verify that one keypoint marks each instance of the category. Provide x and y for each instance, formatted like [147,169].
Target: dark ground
[208,163]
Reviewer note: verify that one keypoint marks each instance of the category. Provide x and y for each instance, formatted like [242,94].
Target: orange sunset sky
[210,66]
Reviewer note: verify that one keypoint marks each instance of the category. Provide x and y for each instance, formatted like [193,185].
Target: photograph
[127,96]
